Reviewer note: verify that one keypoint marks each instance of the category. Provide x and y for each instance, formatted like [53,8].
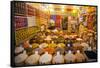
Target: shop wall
[25,22]
[28,21]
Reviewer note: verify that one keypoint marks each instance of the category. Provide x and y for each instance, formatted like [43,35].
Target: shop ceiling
[56,9]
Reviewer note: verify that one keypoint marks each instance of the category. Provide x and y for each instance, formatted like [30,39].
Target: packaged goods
[50,50]
[58,58]
[21,57]
[35,45]
[69,57]
[33,59]
[45,58]
[79,56]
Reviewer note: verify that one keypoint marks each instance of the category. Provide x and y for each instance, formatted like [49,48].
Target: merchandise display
[53,33]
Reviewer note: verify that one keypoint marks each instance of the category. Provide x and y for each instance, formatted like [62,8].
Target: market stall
[54,34]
